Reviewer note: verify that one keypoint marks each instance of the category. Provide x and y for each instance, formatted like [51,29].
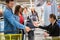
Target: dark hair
[7,1]
[17,9]
[53,16]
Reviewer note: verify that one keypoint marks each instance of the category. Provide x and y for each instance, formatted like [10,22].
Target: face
[11,4]
[25,10]
[20,10]
[32,9]
[51,20]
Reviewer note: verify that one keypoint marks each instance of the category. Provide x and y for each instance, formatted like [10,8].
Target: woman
[18,12]
[32,18]
[25,15]
[34,15]
[21,16]
[18,16]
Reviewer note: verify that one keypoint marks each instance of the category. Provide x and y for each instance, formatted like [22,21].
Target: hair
[7,1]
[53,16]
[35,13]
[25,7]
[17,9]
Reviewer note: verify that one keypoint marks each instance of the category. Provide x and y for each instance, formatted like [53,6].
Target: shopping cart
[10,36]
[17,36]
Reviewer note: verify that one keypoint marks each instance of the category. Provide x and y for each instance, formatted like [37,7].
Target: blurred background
[29,4]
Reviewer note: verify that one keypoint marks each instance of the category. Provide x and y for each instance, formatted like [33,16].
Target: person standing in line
[10,24]
[32,19]
[25,15]
[47,12]
[18,9]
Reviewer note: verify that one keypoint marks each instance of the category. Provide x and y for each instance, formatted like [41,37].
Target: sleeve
[45,27]
[11,19]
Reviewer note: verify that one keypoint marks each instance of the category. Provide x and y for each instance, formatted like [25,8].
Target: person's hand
[27,29]
[36,24]
[46,34]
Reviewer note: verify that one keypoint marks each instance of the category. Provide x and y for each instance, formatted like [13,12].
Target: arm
[9,16]
[45,27]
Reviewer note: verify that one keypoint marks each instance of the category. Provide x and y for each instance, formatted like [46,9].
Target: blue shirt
[10,24]
[47,12]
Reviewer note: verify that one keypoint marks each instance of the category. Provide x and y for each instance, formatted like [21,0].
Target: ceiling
[25,0]
[58,1]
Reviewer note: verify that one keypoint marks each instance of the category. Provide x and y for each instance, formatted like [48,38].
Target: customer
[16,12]
[47,12]
[53,28]
[59,11]
[18,18]
[21,16]
[32,18]
[10,24]
[25,15]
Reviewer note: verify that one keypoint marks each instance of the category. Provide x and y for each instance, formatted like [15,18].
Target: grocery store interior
[47,15]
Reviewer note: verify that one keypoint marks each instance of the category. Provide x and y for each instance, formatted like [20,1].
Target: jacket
[10,24]
[52,30]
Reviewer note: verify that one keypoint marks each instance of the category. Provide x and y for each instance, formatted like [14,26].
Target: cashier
[53,28]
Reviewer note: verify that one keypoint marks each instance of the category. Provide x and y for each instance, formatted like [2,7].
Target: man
[47,12]
[10,24]
[59,11]
[53,28]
